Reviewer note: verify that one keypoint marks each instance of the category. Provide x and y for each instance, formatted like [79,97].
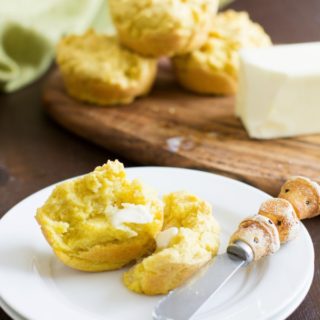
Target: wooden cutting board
[172,127]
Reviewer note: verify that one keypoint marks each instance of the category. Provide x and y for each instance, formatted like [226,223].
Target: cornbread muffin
[281,212]
[304,195]
[101,221]
[260,233]
[163,27]
[213,68]
[96,69]
[190,238]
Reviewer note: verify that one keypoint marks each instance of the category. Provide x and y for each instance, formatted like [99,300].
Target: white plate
[282,315]
[37,286]
[10,311]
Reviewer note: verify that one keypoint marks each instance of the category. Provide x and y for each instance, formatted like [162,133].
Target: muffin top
[162,19]
[159,15]
[230,32]
[100,57]
[98,208]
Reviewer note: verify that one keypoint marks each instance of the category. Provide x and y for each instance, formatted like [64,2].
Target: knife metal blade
[183,302]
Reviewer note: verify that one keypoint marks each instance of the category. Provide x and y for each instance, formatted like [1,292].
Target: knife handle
[283,215]
[260,233]
[240,250]
[278,220]
[304,196]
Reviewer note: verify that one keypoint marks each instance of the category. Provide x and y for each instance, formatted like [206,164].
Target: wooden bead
[304,195]
[283,215]
[260,234]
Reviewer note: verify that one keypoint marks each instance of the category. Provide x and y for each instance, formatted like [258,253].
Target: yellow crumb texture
[95,68]
[213,68]
[163,27]
[78,219]
[196,242]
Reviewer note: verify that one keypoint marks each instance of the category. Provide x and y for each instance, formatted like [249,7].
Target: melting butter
[164,237]
[130,213]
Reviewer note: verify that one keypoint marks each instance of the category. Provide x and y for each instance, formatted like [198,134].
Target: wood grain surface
[35,152]
[175,128]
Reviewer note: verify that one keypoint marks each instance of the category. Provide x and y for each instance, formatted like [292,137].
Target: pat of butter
[279,90]
[130,213]
[164,237]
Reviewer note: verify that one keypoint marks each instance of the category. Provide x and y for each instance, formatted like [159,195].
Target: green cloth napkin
[29,30]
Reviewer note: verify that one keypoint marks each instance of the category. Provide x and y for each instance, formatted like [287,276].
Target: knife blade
[183,302]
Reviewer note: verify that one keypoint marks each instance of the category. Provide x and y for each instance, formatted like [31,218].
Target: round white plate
[10,311]
[282,315]
[35,285]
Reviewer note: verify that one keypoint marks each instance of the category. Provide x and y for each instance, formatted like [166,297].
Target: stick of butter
[279,90]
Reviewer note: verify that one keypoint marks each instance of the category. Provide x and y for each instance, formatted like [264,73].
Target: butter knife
[183,302]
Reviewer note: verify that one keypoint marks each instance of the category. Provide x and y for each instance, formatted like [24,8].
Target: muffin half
[190,238]
[102,220]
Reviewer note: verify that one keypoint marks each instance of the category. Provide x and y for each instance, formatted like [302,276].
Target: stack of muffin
[278,219]
[202,45]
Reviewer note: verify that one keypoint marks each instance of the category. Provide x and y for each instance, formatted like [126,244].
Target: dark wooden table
[35,152]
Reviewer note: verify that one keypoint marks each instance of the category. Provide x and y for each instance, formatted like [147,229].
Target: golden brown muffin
[213,68]
[101,221]
[96,69]
[281,212]
[260,234]
[163,27]
[190,238]
[304,195]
